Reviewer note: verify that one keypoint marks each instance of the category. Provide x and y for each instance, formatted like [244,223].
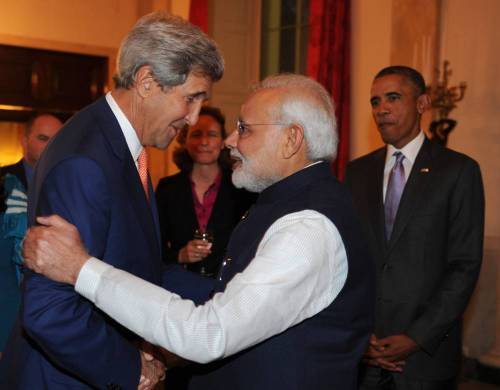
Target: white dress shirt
[133,142]
[299,268]
[410,151]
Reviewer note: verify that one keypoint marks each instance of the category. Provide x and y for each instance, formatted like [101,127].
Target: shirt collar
[213,187]
[410,150]
[133,143]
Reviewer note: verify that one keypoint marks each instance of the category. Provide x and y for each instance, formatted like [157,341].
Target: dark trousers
[374,378]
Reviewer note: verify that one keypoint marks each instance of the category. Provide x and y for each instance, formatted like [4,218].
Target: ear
[423,103]
[294,140]
[144,81]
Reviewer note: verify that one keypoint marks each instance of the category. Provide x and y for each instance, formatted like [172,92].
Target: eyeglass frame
[241,126]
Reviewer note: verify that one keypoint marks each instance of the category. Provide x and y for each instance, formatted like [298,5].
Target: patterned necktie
[395,187]
[142,163]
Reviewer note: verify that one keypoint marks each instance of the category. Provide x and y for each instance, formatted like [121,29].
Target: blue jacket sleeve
[74,334]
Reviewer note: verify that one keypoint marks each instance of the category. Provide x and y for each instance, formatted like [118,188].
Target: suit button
[386,267]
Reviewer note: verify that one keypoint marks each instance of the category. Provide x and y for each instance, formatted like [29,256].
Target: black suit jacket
[178,219]
[427,271]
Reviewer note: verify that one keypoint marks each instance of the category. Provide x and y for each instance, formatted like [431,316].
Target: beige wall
[371,51]
[387,32]
[470,41]
[90,26]
[235,26]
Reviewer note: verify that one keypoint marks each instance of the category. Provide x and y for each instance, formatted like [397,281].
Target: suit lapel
[154,208]
[186,209]
[144,211]
[223,203]
[414,191]
[113,133]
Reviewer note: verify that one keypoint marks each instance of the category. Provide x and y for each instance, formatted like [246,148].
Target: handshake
[154,361]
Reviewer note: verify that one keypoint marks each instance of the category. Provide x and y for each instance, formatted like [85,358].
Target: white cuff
[89,277]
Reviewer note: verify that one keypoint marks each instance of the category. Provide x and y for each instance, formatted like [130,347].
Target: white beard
[245,177]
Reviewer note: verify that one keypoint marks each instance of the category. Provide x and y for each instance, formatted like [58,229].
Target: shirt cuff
[89,278]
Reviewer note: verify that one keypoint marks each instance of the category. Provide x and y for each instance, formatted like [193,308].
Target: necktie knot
[142,166]
[399,158]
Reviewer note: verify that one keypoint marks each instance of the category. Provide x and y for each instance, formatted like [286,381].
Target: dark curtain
[198,14]
[328,62]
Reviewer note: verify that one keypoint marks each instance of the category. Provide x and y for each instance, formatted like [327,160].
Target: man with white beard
[293,300]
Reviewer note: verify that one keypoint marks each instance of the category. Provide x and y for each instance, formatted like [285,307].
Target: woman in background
[200,199]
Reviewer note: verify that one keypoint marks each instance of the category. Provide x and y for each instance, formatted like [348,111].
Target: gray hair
[307,103]
[172,47]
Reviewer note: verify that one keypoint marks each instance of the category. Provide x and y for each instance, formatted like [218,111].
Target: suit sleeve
[464,250]
[74,334]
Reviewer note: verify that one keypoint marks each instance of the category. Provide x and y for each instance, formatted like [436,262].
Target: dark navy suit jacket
[87,175]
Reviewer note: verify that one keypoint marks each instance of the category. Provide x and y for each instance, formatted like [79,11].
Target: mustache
[235,154]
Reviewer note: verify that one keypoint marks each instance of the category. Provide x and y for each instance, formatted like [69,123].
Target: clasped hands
[154,362]
[389,352]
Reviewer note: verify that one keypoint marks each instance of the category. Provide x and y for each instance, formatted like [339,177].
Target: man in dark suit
[423,211]
[95,174]
[37,133]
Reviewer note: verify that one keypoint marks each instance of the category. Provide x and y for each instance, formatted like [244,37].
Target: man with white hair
[293,300]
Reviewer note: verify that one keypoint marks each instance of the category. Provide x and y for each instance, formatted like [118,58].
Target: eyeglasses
[242,128]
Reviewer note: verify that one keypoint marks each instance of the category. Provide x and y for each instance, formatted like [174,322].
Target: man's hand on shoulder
[55,249]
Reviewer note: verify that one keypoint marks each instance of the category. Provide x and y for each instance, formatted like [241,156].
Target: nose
[382,108]
[194,112]
[231,140]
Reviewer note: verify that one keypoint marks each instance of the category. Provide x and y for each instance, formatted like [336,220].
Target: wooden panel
[45,80]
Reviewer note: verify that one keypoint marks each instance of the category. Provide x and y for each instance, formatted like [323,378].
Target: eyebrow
[386,94]
[201,94]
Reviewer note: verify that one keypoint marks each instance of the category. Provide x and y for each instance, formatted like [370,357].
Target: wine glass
[207,236]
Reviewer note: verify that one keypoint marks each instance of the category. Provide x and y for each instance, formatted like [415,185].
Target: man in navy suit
[94,174]
[14,181]
[422,206]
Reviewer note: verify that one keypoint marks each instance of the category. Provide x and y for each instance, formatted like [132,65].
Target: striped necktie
[142,166]
[395,187]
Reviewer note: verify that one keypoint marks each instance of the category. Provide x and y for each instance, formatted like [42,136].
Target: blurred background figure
[199,206]
[14,181]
